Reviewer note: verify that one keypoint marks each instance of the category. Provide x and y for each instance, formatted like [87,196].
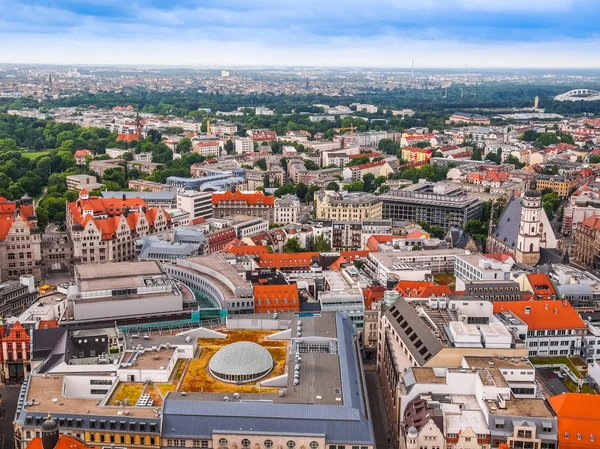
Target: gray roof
[507,229]
[194,416]
[241,358]
[574,289]
[156,196]
[460,238]
[153,248]
[415,334]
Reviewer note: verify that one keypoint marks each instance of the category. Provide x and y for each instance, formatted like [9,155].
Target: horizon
[450,34]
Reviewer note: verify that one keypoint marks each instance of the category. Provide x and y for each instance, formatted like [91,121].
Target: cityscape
[304,234]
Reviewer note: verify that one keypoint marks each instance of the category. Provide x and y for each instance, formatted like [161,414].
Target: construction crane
[351,128]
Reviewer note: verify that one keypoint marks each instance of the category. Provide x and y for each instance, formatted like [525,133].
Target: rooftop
[522,407]
[542,315]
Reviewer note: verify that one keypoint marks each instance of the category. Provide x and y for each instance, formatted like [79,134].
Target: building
[105,229]
[256,178]
[243,145]
[146,168]
[152,248]
[50,438]
[80,156]
[272,298]
[162,199]
[100,166]
[255,204]
[223,128]
[441,205]
[478,267]
[464,117]
[578,420]
[119,292]
[563,185]
[16,297]
[554,328]
[57,252]
[116,153]
[140,185]
[16,347]
[377,169]
[214,183]
[207,148]
[523,229]
[20,239]
[287,209]
[216,280]
[347,206]
[415,154]
[305,415]
[586,250]
[78,182]
[197,204]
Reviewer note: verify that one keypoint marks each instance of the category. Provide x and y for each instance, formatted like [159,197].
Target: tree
[261,163]
[301,191]
[115,175]
[515,161]
[310,165]
[417,248]
[292,246]
[369,182]
[184,145]
[310,194]
[285,190]
[128,156]
[229,147]
[266,182]
[333,186]
[476,154]
[322,245]
[356,186]
[594,159]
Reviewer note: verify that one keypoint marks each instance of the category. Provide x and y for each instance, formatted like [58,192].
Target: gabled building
[255,204]
[106,229]
[276,298]
[578,420]
[20,239]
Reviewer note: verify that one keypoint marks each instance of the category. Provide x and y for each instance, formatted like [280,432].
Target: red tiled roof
[592,222]
[82,153]
[249,198]
[127,137]
[417,150]
[368,165]
[243,250]
[354,255]
[418,289]
[542,315]
[578,414]
[373,294]
[48,324]
[64,442]
[287,260]
[541,285]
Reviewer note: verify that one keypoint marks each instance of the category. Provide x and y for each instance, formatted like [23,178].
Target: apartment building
[20,239]
[243,145]
[377,169]
[140,185]
[347,206]
[287,209]
[207,148]
[256,178]
[478,267]
[586,250]
[16,296]
[563,185]
[146,168]
[105,229]
[415,154]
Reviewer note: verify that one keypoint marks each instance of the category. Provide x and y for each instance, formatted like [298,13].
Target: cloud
[437,32]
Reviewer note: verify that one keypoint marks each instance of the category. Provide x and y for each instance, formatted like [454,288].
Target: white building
[197,204]
[243,145]
[476,267]
[287,209]
[116,153]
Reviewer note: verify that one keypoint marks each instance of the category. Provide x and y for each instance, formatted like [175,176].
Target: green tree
[310,165]
[285,190]
[266,182]
[333,186]
[310,194]
[369,182]
[229,147]
[184,145]
[301,191]
[322,245]
[292,246]
[128,156]
[261,163]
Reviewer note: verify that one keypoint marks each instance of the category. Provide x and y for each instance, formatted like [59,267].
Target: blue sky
[383,33]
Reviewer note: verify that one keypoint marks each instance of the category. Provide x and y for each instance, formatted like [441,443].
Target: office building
[441,205]
[79,182]
[347,206]
[197,204]
[255,204]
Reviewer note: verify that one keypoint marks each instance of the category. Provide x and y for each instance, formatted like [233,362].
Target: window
[314,445]
[268,444]
[223,442]
[291,444]
[245,442]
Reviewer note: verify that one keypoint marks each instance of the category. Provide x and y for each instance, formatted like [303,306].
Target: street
[378,415]
[10,394]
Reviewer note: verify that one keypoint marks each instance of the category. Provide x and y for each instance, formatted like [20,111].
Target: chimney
[555,311]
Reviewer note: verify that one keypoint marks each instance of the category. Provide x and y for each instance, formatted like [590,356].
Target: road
[10,394]
[379,418]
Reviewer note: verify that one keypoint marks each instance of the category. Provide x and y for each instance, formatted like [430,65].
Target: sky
[461,34]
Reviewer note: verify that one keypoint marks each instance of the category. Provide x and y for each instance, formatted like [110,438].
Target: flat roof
[504,363]
[218,263]
[45,389]
[149,360]
[115,270]
[522,407]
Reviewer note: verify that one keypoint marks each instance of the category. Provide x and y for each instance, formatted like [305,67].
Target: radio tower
[138,126]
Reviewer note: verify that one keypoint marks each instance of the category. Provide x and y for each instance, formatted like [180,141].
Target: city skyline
[458,34]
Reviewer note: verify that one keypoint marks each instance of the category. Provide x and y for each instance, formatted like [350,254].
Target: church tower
[530,228]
